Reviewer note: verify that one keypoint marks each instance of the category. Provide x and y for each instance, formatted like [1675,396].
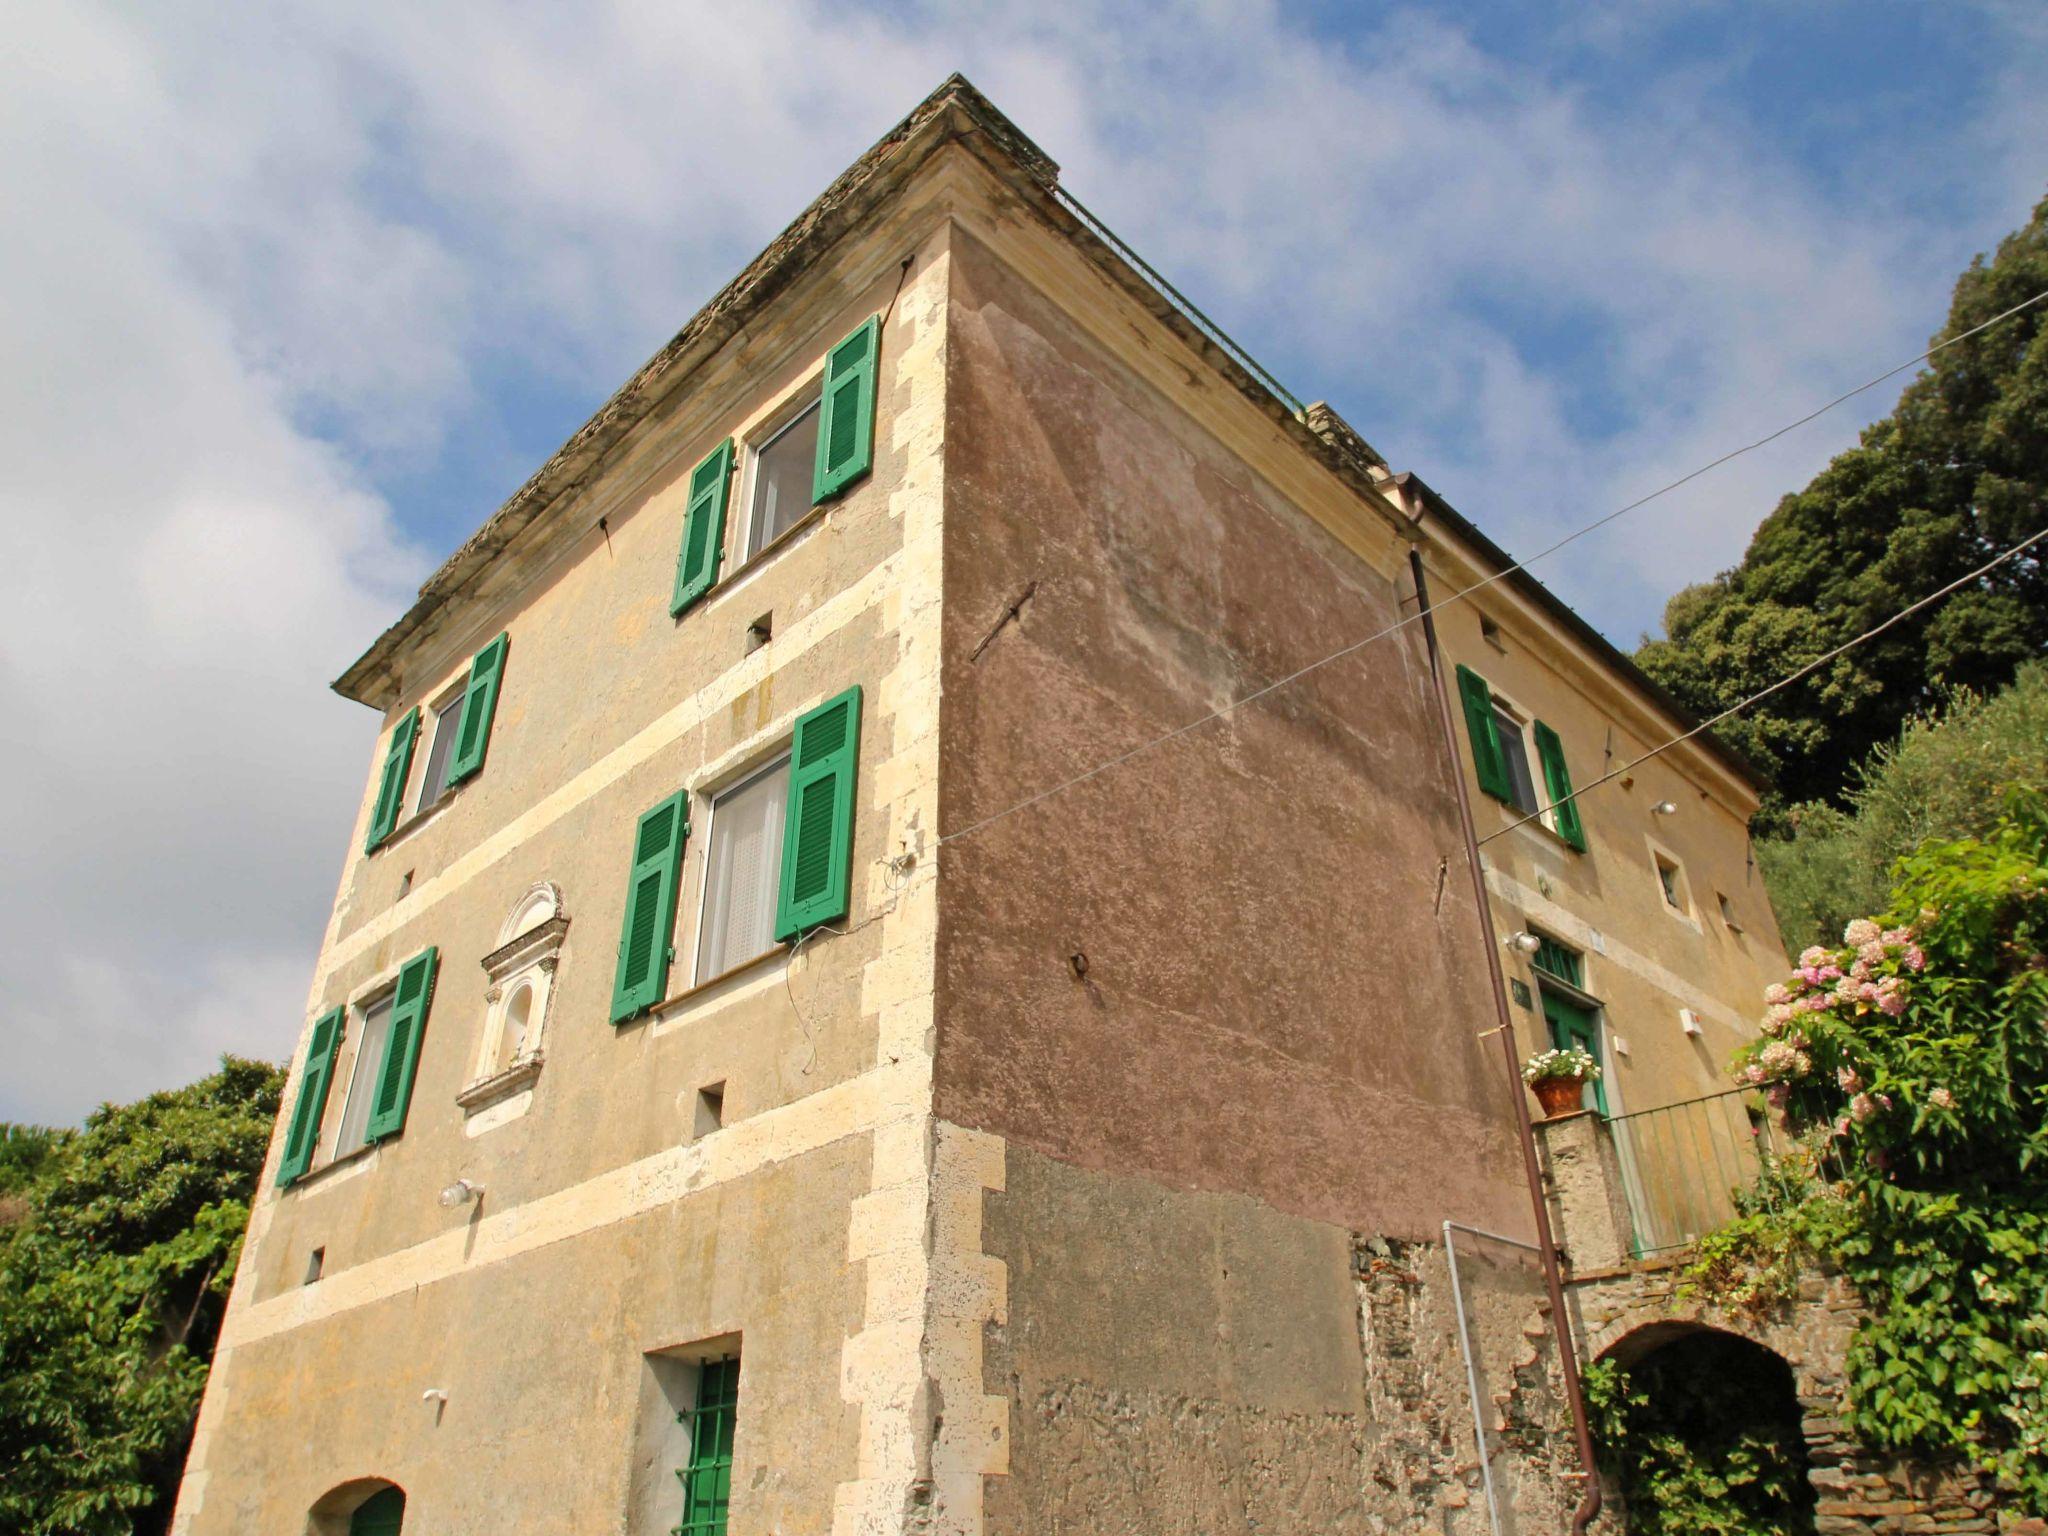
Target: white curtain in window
[745,866]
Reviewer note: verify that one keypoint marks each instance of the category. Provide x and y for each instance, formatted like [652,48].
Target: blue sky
[313,288]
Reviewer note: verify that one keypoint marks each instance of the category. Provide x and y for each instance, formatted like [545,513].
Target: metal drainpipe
[1546,1243]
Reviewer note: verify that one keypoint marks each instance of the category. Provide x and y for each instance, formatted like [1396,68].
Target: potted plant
[1559,1078]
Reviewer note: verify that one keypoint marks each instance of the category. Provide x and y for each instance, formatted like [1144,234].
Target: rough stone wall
[1626,1313]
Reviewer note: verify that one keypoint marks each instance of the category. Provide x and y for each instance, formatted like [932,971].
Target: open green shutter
[817,828]
[391,783]
[314,1080]
[703,528]
[1479,725]
[402,1046]
[846,429]
[1558,781]
[479,708]
[647,937]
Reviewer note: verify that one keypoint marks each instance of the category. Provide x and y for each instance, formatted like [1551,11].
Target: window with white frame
[742,872]
[782,472]
[447,726]
[373,1033]
[1514,751]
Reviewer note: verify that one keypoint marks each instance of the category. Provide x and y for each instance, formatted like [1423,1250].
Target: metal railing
[1687,1167]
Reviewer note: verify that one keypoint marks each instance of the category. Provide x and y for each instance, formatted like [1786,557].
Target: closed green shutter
[846,430]
[707,1480]
[479,708]
[703,528]
[648,934]
[817,828]
[314,1080]
[1558,781]
[391,784]
[402,1046]
[1479,725]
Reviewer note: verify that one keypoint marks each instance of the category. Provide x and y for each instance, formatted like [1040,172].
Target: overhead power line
[1478,586]
[1784,682]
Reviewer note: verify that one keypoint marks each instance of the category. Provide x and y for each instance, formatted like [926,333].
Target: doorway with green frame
[1574,1024]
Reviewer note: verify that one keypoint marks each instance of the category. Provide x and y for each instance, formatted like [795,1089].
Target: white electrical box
[1689,1021]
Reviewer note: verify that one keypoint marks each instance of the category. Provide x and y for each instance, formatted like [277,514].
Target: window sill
[499,1086]
[418,819]
[793,534]
[337,1170]
[719,983]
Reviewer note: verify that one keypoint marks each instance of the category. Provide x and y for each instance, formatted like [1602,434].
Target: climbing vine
[1915,1059]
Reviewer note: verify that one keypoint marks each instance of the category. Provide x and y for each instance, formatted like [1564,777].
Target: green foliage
[1921,1056]
[1957,472]
[1943,778]
[111,1291]
[1703,1436]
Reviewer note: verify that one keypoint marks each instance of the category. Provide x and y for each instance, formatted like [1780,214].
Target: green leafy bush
[112,1285]
[1919,1055]
[1942,778]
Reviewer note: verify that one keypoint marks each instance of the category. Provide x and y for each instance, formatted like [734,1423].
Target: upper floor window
[373,1037]
[1507,749]
[741,871]
[782,467]
[447,726]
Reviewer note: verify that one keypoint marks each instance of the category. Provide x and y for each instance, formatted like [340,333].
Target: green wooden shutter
[391,784]
[315,1079]
[1485,734]
[1558,781]
[846,430]
[703,528]
[402,1046]
[817,827]
[479,708]
[647,937]
[707,1480]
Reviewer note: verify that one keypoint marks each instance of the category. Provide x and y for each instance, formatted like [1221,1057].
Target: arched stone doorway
[1703,1434]
[364,1506]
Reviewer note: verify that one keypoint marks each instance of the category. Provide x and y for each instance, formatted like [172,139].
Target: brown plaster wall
[1273,1003]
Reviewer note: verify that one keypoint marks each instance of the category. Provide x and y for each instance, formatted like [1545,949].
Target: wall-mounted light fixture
[1525,941]
[461,1192]
[1663,808]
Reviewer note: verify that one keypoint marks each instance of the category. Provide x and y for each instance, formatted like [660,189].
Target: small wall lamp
[461,1192]
[1525,941]
[1663,808]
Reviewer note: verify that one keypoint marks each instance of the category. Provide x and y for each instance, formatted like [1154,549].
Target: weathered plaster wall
[1643,960]
[1208,1000]
[804,1225]
[1274,1002]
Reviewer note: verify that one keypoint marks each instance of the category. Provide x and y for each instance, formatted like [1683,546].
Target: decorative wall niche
[521,984]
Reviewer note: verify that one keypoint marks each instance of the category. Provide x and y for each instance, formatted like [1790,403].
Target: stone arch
[541,903]
[1731,1400]
[362,1506]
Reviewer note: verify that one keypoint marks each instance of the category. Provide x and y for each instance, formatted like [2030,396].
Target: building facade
[814,1036]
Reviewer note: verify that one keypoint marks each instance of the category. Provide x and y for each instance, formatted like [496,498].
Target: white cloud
[276,253]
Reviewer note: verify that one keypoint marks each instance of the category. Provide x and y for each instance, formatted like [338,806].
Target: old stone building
[802,1045]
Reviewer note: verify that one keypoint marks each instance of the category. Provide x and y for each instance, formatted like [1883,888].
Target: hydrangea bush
[1914,1058]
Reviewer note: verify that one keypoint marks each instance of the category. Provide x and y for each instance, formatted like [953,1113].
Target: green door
[1572,1025]
[379,1515]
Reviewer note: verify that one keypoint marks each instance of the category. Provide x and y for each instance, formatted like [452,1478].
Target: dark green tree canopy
[1957,473]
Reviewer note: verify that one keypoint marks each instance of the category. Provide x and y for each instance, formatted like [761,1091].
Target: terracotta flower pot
[1560,1095]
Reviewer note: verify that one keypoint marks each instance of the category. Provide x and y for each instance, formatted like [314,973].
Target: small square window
[785,463]
[1728,917]
[710,1114]
[447,726]
[1668,879]
[316,1263]
[742,872]
[1490,633]
[373,1031]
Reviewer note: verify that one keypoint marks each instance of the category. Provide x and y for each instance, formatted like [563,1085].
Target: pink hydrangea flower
[1862,1109]
[1811,956]
[1777,1096]
[1941,1098]
[1916,958]
[1775,994]
[1848,1079]
[1861,932]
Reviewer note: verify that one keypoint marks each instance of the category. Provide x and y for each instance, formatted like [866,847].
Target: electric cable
[1784,682]
[1464,592]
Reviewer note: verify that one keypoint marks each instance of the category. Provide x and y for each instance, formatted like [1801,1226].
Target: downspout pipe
[1546,1242]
